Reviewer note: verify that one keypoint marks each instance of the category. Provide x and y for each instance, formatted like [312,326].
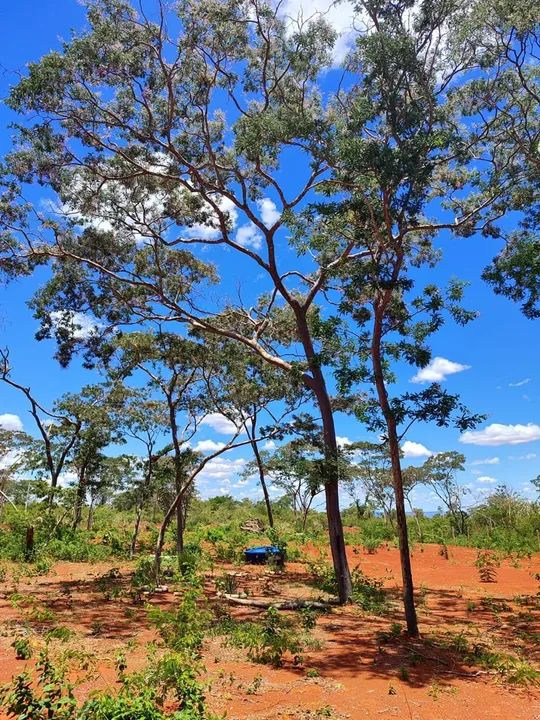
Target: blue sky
[499,353]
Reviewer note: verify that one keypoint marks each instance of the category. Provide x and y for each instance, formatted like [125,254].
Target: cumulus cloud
[219,472]
[438,370]
[68,478]
[219,423]
[486,479]
[414,450]
[269,445]
[208,446]
[211,230]
[499,434]
[486,461]
[269,211]
[343,441]
[83,325]
[339,16]
[9,421]
[248,236]
[240,483]
[520,383]
[10,459]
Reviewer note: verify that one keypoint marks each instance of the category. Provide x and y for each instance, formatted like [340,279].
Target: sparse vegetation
[235,230]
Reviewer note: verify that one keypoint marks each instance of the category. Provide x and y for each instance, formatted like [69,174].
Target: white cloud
[248,236]
[343,441]
[208,446]
[486,461]
[11,458]
[219,472]
[219,423]
[240,483]
[8,421]
[486,479]
[83,325]
[67,478]
[437,370]
[499,434]
[211,230]
[269,445]
[520,383]
[269,211]
[414,450]
[339,15]
[527,456]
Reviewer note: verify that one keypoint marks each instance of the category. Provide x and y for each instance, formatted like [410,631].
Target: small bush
[183,629]
[487,565]
[23,649]
[48,695]
[278,635]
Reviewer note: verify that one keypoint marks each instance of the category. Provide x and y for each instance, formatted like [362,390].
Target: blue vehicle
[263,553]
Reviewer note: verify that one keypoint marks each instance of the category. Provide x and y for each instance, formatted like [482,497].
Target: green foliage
[277,635]
[177,673]
[184,628]
[366,592]
[48,695]
[60,632]
[109,707]
[271,637]
[23,649]
[487,562]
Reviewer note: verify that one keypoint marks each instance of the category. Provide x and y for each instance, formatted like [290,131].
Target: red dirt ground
[353,675]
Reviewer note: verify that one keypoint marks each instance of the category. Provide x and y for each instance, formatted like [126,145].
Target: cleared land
[358,665]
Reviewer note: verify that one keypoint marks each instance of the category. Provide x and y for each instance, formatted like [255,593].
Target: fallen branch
[284,605]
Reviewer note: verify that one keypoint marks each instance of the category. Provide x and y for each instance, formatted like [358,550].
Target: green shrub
[122,707]
[367,593]
[270,638]
[23,649]
[48,695]
[487,564]
[184,628]
[277,636]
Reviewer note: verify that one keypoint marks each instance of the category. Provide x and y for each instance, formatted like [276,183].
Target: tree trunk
[179,529]
[317,385]
[135,536]
[262,480]
[159,544]
[52,490]
[419,527]
[90,520]
[80,499]
[393,444]
[304,520]
[29,544]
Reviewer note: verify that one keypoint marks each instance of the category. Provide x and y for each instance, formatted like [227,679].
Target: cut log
[283,605]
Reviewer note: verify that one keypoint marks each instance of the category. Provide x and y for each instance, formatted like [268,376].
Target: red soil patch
[352,673]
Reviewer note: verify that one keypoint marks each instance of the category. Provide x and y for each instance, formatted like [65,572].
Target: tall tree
[295,469]
[97,409]
[59,430]
[374,476]
[440,472]
[126,130]
[145,420]
[259,396]
[13,446]
[402,152]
